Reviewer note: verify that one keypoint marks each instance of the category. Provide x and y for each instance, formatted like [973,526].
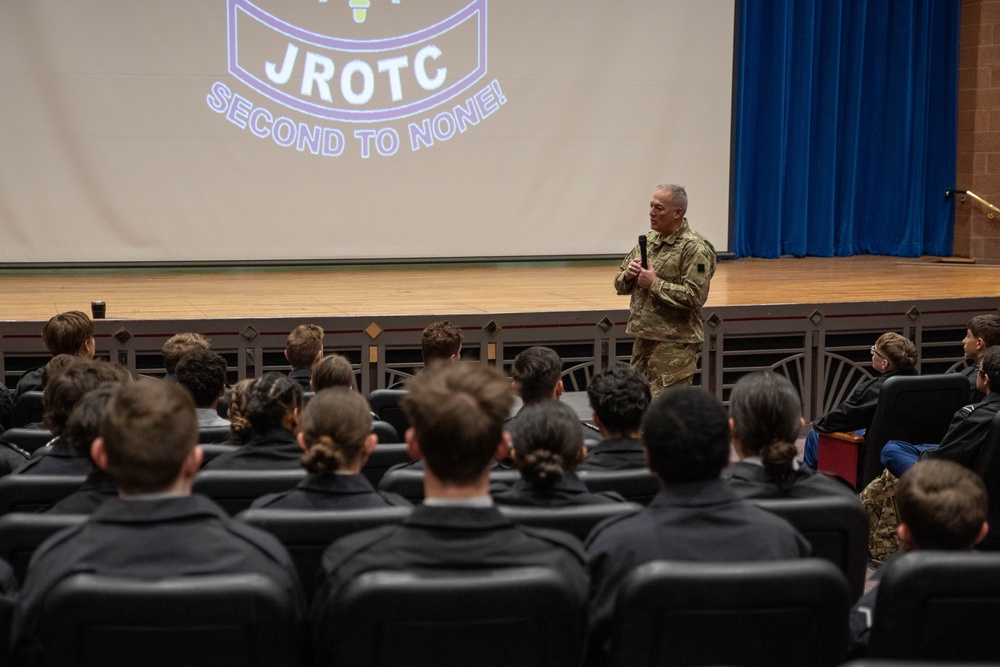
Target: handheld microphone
[642,249]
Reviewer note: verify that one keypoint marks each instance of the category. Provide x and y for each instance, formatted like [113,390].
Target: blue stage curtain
[845,132]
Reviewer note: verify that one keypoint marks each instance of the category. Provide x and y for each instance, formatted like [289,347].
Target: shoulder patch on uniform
[701,268]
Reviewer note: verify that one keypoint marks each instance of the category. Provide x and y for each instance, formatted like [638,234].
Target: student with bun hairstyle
[265,420]
[765,416]
[547,448]
[892,354]
[336,439]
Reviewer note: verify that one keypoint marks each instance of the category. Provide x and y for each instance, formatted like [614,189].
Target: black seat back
[34,493]
[637,485]
[236,619]
[578,520]
[938,605]
[384,457]
[235,490]
[28,439]
[836,527]
[385,403]
[307,533]
[208,434]
[914,409]
[409,482]
[988,467]
[210,450]
[385,432]
[487,618]
[770,613]
[28,409]
[21,533]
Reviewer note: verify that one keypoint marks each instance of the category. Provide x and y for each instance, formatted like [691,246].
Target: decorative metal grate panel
[822,348]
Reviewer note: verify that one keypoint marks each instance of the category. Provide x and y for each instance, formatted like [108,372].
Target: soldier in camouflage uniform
[665,310]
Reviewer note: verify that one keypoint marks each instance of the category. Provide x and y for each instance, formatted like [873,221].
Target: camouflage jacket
[670,309]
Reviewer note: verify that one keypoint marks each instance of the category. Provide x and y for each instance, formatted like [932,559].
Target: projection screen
[343,130]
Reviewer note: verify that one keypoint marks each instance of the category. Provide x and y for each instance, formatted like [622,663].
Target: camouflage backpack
[879,499]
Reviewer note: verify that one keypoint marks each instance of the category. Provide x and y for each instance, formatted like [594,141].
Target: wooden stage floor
[440,289]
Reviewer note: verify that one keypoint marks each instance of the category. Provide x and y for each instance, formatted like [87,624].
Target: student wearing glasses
[892,354]
[968,432]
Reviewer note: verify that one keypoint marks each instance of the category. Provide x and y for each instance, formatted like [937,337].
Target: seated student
[969,430]
[457,414]
[440,342]
[981,333]
[892,355]
[82,428]
[537,375]
[337,439]
[203,373]
[156,528]
[332,371]
[266,423]
[69,333]
[941,505]
[176,347]
[50,372]
[695,517]
[304,348]
[765,416]
[547,449]
[619,397]
[60,397]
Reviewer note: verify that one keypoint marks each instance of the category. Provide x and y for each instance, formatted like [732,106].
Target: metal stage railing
[822,348]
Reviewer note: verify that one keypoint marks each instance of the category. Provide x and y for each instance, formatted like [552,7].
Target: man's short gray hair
[678,195]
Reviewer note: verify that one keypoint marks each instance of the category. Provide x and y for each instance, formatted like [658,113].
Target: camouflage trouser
[665,364]
[879,499]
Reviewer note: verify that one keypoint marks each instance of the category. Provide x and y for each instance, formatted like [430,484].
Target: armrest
[846,437]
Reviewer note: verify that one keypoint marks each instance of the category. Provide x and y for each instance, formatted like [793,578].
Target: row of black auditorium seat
[28,409]
[837,528]
[234,490]
[931,606]
[391,426]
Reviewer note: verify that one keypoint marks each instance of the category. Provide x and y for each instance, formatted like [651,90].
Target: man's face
[970,345]
[664,216]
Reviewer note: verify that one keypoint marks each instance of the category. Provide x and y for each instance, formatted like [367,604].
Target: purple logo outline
[476,8]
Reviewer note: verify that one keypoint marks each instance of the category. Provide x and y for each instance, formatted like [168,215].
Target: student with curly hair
[619,397]
[265,420]
[336,439]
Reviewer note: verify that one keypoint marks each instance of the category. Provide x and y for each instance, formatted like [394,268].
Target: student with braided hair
[547,448]
[765,416]
[336,439]
[266,419]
